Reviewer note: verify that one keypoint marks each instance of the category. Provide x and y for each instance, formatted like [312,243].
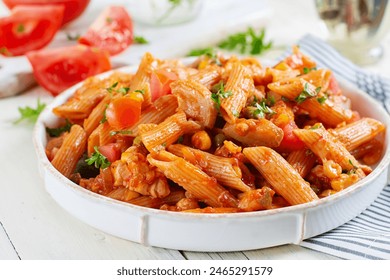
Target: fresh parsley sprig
[30,114]
[221,93]
[57,131]
[306,93]
[261,109]
[98,159]
[140,40]
[247,42]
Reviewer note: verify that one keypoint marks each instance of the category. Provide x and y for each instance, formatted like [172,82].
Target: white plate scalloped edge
[214,232]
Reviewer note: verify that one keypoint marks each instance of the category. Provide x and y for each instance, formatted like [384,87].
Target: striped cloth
[368,235]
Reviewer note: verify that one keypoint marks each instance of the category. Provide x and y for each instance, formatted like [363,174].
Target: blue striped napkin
[368,235]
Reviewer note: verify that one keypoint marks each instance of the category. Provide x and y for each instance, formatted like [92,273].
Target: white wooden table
[33,226]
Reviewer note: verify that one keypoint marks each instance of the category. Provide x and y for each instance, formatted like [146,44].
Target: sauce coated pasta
[221,135]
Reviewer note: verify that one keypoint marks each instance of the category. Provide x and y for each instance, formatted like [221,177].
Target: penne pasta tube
[240,85]
[208,76]
[327,147]
[302,161]
[213,210]
[141,79]
[97,115]
[167,132]
[357,133]
[73,147]
[284,179]
[162,108]
[79,107]
[195,100]
[192,179]
[250,132]
[225,170]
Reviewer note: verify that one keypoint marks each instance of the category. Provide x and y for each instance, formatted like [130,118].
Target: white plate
[214,232]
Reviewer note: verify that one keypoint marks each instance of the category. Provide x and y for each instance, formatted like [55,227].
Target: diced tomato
[160,81]
[111,151]
[333,87]
[290,141]
[29,28]
[123,112]
[73,8]
[111,31]
[57,69]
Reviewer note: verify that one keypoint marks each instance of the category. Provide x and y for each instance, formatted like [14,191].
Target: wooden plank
[7,250]
[287,252]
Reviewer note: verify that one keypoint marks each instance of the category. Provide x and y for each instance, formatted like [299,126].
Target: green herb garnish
[30,114]
[140,40]
[98,159]
[322,99]
[221,93]
[20,28]
[316,126]
[55,132]
[124,90]
[307,93]
[307,70]
[142,91]
[261,109]
[245,42]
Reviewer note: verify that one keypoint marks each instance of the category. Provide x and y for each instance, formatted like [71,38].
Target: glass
[356,27]
[164,12]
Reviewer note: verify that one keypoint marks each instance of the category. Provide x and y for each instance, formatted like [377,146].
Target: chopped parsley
[261,109]
[307,93]
[246,42]
[220,94]
[316,126]
[124,90]
[140,40]
[112,87]
[322,99]
[142,91]
[20,28]
[30,114]
[209,52]
[307,70]
[354,167]
[55,132]
[98,159]
[104,119]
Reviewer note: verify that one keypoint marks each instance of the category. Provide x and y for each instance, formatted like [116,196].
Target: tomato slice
[57,69]
[111,151]
[29,28]
[73,8]
[290,141]
[160,81]
[123,112]
[111,31]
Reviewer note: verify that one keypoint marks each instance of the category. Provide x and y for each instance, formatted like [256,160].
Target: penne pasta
[167,132]
[192,179]
[97,115]
[357,133]
[302,161]
[284,179]
[71,150]
[225,170]
[251,132]
[327,147]
[239,85]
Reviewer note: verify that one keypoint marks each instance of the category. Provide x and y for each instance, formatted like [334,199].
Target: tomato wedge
[57,69]
[111,31]
[160,81]
[111,151]
[29,28]
[123,112]
[290,141]
[73,8]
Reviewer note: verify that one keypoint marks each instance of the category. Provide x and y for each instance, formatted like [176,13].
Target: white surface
[40,229]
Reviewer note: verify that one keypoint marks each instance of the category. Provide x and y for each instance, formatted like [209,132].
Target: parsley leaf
[140,40]
[261,109]
[322,99]
[55,132]
[307,93]
[221,93]
[246,42]
[98,159]
[112,87]
[307,70]
[30,114]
